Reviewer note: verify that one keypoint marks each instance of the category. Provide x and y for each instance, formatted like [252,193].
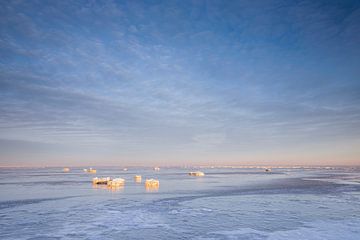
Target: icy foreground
[224,204]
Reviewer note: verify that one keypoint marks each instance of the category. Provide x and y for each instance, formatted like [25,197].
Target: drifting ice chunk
[137,178]
[66,169]
[101,180]
[151,183]
[116,182]
[197,174]
[90,170]
[156,168]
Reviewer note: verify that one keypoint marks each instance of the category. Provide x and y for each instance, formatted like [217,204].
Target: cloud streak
[199,80]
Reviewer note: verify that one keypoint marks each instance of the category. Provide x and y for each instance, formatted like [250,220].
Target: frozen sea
[227,203]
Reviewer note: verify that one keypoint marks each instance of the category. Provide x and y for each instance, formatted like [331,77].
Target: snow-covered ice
[229,203]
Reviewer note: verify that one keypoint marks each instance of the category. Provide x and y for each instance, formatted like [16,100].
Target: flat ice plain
[228,203]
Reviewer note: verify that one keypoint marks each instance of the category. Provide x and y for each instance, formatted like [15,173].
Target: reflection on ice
[110,188]
[152,188]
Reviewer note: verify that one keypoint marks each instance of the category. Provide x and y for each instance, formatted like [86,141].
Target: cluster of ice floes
[120,182]
[150,184]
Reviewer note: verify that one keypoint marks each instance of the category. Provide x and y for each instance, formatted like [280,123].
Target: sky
[179,83]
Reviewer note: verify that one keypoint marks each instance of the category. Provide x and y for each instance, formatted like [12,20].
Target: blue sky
[179,82]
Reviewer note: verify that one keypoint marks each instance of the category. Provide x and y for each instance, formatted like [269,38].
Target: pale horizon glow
[174,83]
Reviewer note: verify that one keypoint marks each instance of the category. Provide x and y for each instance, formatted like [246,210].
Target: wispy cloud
[171,76]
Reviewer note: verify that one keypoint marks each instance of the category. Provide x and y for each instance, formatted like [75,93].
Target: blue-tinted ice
[225,204]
